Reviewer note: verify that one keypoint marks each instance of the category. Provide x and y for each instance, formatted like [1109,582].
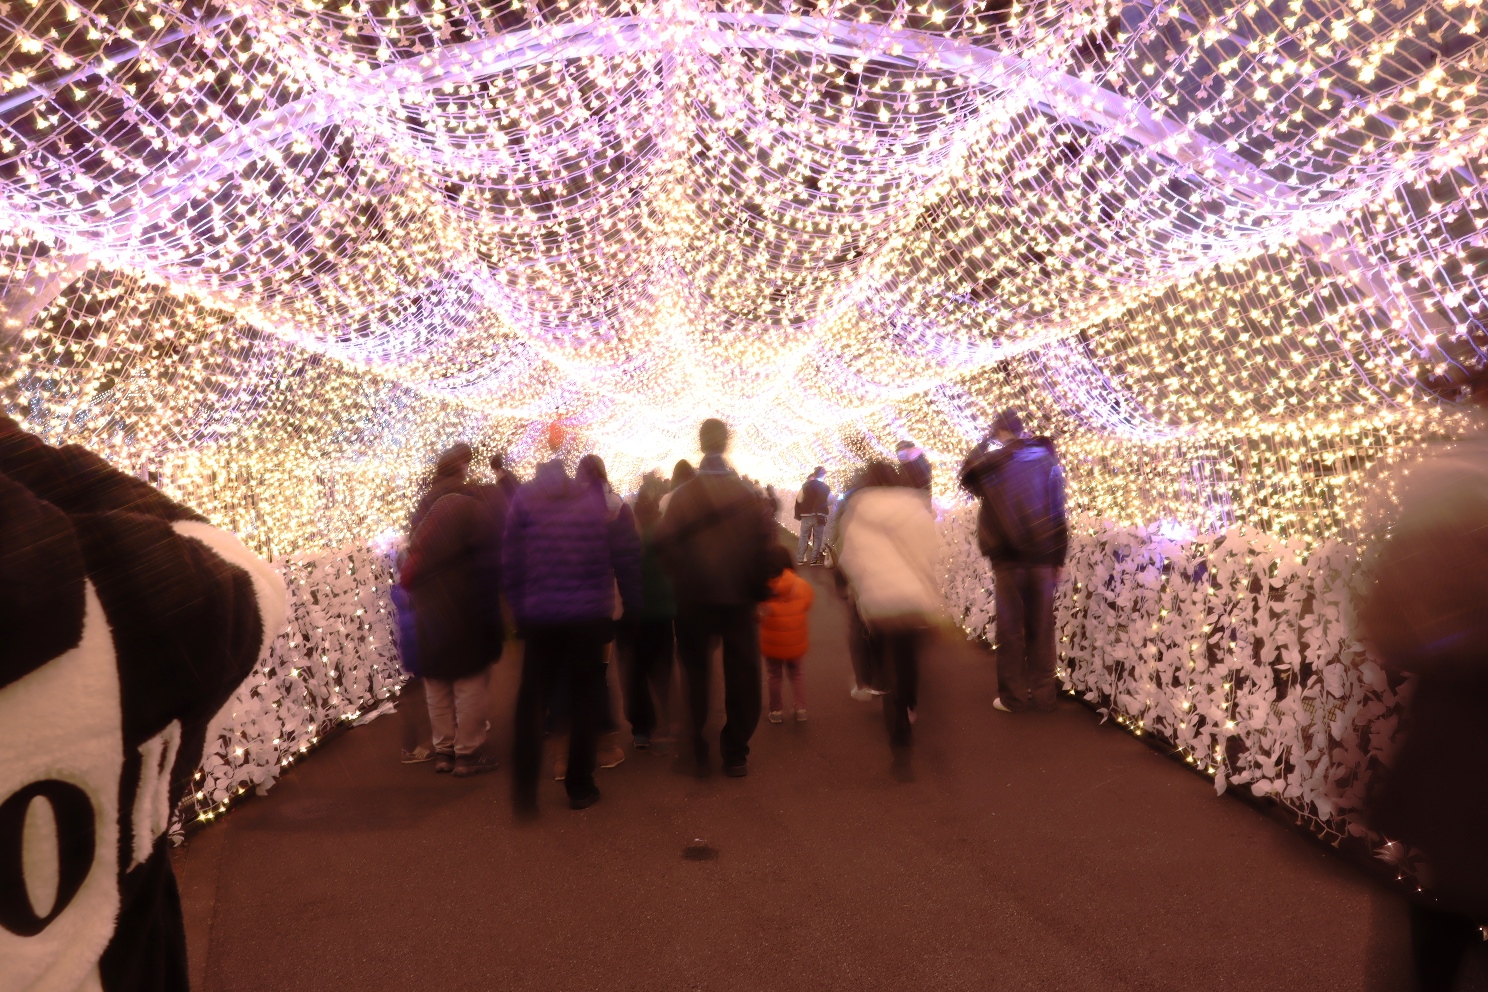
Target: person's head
[713,436]
[454,461]
[591,471]
[905,450]
[498,462]
[881,473]
[819,472]
[779,559]
[1007,426]
[682,472]
[557,435]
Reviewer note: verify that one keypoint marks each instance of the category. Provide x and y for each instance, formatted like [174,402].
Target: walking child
[783,631]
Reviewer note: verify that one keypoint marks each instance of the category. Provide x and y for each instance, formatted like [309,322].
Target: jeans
[813,529]
[646,660]
[1025,636]
[577,649]
[790,668]
[899,667]
[458,709]
[699,627]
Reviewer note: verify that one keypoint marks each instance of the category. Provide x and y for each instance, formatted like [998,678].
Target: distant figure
[648,641]
[505,479]
[449,477]
[713,538]
[889,553]
[1022,531]
[1425,614]
[681,472]
[784,636]
[812,505]
[913,466]
[563,558]
[453,577]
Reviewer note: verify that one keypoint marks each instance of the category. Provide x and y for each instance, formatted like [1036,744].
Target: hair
[591,469]
[498,462]
[713,436]
[1008,420]
[904,446]
[453,460]
[777,559]
[881,473]
[682,472]
[819,471]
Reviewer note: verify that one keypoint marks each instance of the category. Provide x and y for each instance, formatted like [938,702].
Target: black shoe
[736,771]
[444,763]
[475,764]
[584,801]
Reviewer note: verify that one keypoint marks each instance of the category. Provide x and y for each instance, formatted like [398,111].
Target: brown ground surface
[1030,853]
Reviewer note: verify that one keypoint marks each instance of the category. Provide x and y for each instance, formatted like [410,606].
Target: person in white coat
[888,556]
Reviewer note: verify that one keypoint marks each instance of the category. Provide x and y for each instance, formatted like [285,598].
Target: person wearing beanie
[450,471]
[913,466]
[1023,532]
[713,539]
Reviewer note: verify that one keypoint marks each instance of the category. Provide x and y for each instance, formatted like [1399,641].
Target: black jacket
[1021,487]
[713,539]
[814,496]
[454,579]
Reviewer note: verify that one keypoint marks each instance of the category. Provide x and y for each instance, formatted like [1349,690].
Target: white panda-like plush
[126,622]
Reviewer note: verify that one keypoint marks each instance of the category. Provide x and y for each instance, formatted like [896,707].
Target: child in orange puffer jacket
[783,631]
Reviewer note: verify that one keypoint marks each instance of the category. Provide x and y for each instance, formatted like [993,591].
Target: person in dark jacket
[812,506]
[649,640]
[452,573]
[563,556]
[1022,531]
[914,467]
[506,480]
[1424,615]
[713,539]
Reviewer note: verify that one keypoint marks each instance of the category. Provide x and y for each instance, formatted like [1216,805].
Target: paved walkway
[1030,853]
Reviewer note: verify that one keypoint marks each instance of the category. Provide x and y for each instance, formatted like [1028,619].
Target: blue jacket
[564,552]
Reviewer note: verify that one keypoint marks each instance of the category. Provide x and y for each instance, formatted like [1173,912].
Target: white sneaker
[800,716]
[776,716]
[997,705]
[860,694]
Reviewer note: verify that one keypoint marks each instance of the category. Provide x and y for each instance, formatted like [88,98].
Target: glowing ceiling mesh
[276,253]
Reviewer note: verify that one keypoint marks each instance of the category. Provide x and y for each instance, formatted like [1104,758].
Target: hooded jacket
[783,618]
[1021,486]
[565,553]
[128,621]
[889,552]
[713,537]
[452,575]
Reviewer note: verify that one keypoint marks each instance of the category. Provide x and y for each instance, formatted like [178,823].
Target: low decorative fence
[335,663]
[1238,649]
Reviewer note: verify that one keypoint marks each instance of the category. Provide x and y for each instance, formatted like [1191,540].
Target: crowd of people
[688,567]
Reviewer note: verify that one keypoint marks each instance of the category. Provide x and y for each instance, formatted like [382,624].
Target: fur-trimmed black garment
[126,622]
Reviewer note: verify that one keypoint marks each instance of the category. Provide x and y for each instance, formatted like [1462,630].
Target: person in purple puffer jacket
[562,559]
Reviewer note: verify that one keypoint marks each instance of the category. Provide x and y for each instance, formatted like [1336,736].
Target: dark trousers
[646,654]
[1025,636]
[865,660]
[578,648]
[699,627]
[897,654]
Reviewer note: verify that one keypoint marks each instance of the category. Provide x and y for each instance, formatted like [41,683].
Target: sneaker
[997,704]
[610,755]
[777,716]
[736,771]
[444,762]
[800,716]
[860,694]
[560,768]
[641,742]
[467,765]
[585,801]
[417,756]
